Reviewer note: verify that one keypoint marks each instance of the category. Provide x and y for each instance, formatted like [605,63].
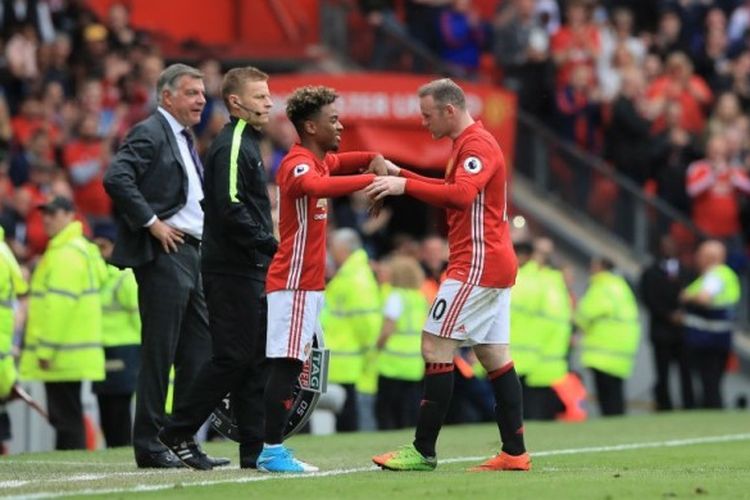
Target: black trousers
[114,418]
[708,364]
[347,420]
[397,403]
[66,414]
[237,321]
[610,392]
[668,354]
[174,330]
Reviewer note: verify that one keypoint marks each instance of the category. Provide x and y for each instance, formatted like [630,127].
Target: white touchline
[342,472]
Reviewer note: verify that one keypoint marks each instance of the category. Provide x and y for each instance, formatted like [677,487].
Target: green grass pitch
[680,455]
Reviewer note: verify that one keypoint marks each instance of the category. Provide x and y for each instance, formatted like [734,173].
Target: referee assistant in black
[238,244]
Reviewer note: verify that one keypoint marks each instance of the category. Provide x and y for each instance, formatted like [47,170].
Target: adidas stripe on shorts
[470,313]
[293,319]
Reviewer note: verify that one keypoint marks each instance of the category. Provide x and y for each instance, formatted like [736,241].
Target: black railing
[594,189]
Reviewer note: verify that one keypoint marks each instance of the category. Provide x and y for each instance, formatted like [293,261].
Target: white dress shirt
[190,217]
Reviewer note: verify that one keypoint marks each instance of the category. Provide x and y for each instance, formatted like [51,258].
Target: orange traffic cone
[92,433]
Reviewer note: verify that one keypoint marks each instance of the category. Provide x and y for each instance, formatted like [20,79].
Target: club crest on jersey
[301,169]
[473,165]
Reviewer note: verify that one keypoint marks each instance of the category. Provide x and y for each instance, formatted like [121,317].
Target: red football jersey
[474,193]
[304,184]
[715,192]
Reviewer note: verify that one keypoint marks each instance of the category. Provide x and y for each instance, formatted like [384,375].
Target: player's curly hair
[305,103]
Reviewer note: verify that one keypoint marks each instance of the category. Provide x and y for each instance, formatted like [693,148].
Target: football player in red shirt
[473,303]
[308,174]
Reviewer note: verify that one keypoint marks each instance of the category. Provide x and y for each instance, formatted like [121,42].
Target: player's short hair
[235,78]
[168,78]
[305,103]
[444,91]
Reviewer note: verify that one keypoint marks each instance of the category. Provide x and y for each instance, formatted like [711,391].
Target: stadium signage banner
[380,112]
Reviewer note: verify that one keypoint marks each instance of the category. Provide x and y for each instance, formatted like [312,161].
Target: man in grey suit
[155,181]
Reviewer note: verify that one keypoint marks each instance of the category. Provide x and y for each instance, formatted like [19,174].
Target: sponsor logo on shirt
[473,165]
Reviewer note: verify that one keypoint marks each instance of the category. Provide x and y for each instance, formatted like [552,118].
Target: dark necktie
[193,153]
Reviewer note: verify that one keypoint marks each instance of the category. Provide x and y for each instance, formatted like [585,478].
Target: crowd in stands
[661,92]
[659,89]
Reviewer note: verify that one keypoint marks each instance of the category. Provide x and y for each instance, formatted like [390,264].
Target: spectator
[715,187]
[86,158]
[463,36]
[629,128]
[576,43]
[57,67]
[712,59]
[739,22]
[673,149]
[422,21]
[121,35]
[521,50]
[681,85]
[669,36]
[725,116]
[34,13]
[579,110]
[619,49]
[660,287]
[21,58]
[737,79]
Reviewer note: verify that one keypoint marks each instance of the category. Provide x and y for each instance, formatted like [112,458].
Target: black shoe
[186,451]
[214,461]
[161,460]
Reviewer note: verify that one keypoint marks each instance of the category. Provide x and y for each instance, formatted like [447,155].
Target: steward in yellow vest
[121,336]
[400,364]
[553,332]
[525,306]
[12,284]
[710,303]
[63,343]
[607,314]
[351,321]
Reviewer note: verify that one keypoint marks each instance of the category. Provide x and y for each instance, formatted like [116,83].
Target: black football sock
[508,408]
[438,389]
[278,396]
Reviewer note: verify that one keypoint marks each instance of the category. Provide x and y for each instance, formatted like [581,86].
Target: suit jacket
[660,293]
[146,178]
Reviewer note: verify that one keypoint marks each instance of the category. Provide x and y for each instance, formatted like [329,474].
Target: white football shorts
[293,319]
[471,314]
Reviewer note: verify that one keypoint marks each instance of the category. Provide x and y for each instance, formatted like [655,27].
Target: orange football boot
[503,461]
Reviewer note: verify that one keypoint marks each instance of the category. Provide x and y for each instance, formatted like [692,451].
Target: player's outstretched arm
[456,196]
[353,162]
[330,187]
